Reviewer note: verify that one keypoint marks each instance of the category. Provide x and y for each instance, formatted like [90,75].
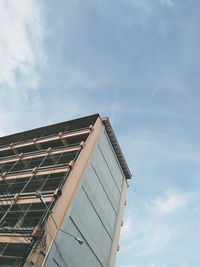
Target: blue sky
[137,62]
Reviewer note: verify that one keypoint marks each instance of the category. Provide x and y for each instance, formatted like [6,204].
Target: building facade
[62,194]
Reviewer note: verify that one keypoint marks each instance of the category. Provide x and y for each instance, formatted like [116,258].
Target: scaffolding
[28,167]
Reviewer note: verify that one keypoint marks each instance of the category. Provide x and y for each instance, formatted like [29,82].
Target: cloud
[171,202]
[2,133]
[21,36]
[150,227]
[4,120]
[184,265]
[168,2]
[145,235]
[148,265]
[143,4]
[149,7]
[127,229]
[161,145]
[23,59]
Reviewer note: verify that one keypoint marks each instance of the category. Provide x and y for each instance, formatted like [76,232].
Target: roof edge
[116,147]
[40,128]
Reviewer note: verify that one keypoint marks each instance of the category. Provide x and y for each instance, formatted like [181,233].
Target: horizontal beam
[35,172]
[9,258]
[45,139]
[38,154]
[15,238]
[25,200]
[19,211]
[14,230]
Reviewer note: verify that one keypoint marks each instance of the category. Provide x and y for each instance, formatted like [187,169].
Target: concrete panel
[108,222]
[92,228]
[93,213]
[111,159]
[96,192]
[67,252]
[102,171]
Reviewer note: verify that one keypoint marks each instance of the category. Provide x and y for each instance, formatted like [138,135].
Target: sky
[137,62]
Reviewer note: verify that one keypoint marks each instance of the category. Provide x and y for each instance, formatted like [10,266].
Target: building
[62,194]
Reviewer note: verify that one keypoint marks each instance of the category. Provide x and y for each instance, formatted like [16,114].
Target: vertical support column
[115,245]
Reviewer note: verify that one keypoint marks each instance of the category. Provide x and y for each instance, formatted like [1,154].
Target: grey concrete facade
[93,213]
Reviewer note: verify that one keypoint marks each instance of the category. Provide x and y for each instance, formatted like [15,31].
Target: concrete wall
[93,213]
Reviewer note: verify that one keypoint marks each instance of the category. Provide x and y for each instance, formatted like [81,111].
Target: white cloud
[2,133]
[149,239]
[168,2]
[184,265]
[144,236]
[21,37]
[149,6]
[144,4]
[150,227]
[4,121]
[149,265]
[128,228]
[172,201]
[163,30]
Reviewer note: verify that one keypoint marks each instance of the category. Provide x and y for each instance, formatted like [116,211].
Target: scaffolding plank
[45,139]
[37,172]
[8,257]
[25,200]
[37,154]
[14,238]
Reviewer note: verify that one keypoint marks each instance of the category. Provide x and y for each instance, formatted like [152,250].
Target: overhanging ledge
[116,147]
